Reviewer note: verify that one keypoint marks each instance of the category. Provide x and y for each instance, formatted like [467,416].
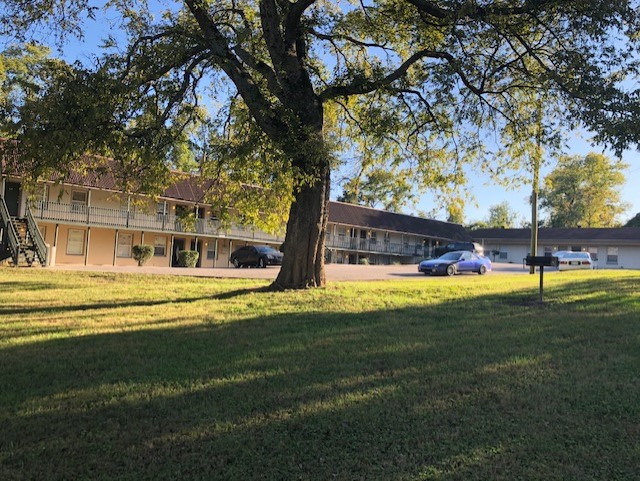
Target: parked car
[459,246]
[453,262]
[568,260]
[260,256]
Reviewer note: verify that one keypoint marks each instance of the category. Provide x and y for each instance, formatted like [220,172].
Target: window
[503,255]
[211,251]
[124,245]
[79,197]
[594,253]
[576,248]
[341,232]
[160,208]
[612,255]
[374,237]
[75,242]
[548,251]
[78,200]
[562,248]
[160,246]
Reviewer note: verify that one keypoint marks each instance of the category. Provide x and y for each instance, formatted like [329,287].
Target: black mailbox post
[541,262]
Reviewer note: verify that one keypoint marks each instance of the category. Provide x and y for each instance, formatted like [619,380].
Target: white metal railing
[133,219]
[375,246]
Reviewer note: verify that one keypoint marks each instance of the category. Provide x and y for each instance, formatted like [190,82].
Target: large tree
[634,221]
[502,216]
[421,79]
[584,192]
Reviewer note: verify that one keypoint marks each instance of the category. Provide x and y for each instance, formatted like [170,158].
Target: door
[178,245]
[197,247]
[12,197]
[465,263]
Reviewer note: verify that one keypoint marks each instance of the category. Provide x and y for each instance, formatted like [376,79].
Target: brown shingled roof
[360,216]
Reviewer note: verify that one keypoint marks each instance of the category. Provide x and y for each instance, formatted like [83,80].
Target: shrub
[142,253]
[188,258]
[364,261]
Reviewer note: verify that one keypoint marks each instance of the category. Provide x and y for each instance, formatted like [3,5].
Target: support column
[171,252]
[88,205]
[2,187]
[229,256]
[115,247]
[86,252]
[215,253]
[142,239]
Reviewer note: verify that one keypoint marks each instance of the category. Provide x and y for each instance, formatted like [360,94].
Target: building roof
[559,235]
[360,216]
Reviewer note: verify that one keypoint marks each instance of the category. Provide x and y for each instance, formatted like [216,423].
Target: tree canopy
[634,221]
[419,83]
[584,192]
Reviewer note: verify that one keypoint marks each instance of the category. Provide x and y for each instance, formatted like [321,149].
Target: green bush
[363,261]
[142,253]
[188,258]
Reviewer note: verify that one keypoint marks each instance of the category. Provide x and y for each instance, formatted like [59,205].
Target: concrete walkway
[335,272]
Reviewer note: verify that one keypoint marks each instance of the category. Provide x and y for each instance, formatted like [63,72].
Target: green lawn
[107,376]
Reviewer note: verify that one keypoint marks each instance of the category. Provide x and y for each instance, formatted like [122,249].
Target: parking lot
[335,272]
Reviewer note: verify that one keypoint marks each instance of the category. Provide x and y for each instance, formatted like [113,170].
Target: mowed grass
[106,376]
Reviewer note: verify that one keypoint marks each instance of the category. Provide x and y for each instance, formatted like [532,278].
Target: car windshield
[266,250]
[451,256]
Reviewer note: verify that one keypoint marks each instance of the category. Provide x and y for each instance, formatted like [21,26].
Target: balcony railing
[134,220]
[376,246]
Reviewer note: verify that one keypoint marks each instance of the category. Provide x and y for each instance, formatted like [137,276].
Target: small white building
[610,248]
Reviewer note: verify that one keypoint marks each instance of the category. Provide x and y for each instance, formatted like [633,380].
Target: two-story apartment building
[86,219]
[358,234]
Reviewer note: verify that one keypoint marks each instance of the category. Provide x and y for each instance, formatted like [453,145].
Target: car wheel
[451,270]
[262,263]
[482,271]
[236,263]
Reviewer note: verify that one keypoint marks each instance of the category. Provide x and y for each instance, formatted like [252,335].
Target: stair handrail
[12,234]
[36,236]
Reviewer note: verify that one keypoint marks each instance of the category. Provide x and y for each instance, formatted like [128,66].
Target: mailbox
[542,261]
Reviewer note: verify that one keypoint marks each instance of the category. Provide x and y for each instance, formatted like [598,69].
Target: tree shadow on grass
[445,391]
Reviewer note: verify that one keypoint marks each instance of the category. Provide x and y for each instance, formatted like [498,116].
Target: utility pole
[536,160]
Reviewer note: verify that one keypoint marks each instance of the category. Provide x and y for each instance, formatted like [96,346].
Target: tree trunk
[303,263]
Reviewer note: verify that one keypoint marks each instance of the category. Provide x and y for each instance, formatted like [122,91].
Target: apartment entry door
[178,245]
[12,197]
[198,248]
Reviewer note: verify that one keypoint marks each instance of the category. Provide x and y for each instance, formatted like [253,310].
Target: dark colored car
[260,256]
[459,246]
[453,262]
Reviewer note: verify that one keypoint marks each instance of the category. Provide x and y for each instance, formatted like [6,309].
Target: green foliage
[634,221]
[400,92]
[584,192]
[363,261]
[22,72]
[388,189]
[188,258]
[502,215]
[142,253]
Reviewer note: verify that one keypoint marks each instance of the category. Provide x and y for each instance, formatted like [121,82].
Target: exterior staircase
[21,243]
[27,253]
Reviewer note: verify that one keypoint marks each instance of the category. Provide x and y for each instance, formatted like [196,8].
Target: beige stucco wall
[101,246]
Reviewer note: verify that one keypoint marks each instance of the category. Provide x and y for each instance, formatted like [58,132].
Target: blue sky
[485,191]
